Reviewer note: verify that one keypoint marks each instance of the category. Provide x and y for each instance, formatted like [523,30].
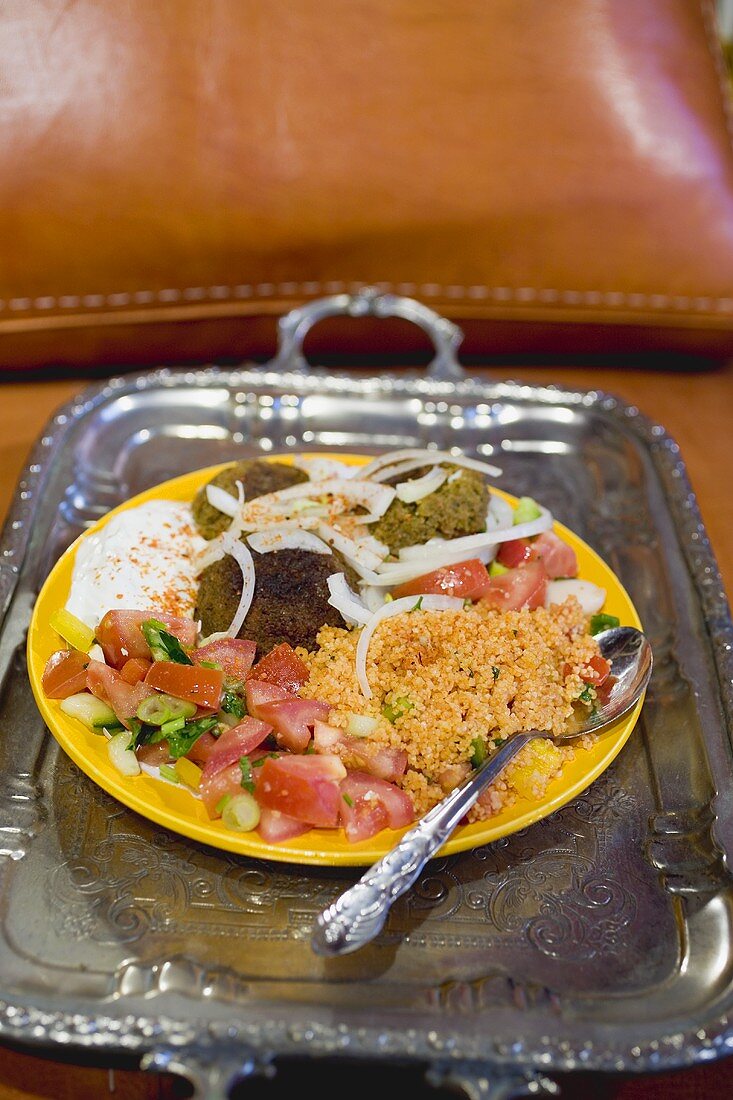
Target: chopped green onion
[395,710]
[241,813]
[222,803]
[173,726]
[479,752]
[169,772]
[164,646]
[160,708]
[603,622]
[347,799]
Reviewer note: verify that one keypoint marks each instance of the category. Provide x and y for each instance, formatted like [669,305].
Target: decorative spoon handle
[359,913]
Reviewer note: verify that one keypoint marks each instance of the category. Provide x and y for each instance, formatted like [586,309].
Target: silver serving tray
[599,939]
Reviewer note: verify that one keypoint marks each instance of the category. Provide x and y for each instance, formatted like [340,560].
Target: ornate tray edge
[140,1034]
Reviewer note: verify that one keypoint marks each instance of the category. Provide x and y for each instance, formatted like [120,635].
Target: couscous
[449,686]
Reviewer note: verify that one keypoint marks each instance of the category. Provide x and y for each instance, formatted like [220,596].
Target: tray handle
[477,1081]
[369,302]
[212,1069]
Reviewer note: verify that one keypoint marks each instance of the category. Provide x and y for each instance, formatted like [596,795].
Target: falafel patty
[258,477]
[457,508]
[290,601]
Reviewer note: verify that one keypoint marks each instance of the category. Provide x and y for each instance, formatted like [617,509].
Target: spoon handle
[359,913]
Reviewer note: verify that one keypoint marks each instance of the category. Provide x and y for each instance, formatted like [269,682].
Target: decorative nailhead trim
[614,299]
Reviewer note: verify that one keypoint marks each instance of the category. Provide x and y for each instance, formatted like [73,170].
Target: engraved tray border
[56,1024]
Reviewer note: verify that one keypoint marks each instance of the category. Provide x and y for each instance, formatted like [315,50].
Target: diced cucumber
[527,509]
[95,714]
[121,755]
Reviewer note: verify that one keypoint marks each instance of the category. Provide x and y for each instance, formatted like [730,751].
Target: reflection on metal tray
[600,938]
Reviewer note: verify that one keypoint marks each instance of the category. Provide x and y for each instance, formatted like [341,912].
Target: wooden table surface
[696,408]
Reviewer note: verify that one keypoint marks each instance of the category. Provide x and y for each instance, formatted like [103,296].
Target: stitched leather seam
[523,295]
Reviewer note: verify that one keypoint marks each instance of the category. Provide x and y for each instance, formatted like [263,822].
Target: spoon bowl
[358,914]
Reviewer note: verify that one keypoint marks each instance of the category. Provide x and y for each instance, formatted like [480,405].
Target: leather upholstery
[175,175]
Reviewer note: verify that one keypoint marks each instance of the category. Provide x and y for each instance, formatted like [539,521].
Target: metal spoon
[359,913]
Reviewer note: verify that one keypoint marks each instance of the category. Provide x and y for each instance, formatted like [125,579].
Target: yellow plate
[176,809]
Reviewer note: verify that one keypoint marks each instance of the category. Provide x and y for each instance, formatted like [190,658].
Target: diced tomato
[597,670]
[293,720]
[379,760]
[304,787]
[234,655]
[194,683]
[135,670]
[120,636]
[358,813]
[154,755]
[525,586]
[468,580]
[514,552]
[216,786]
[258,693]
[235,743]
[107,684]
[65,673]
[202,748]
[558,558]
[274,827]
[100,678]
[281,666]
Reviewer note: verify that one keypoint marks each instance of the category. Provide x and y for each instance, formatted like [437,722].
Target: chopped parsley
[417,606]
[586,694]
[495,672]
[233,704]
[180,742]
[247,782]
[164,646]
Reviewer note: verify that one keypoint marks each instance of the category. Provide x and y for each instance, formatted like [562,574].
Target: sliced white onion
[396,607]
[372,596]
[97,653]
[485,538]
[273,507]
[399,572]
[591,597]
[275,538]
[319,468]
[243,558]
[222,500]
[419,487]
[346,602]
[356,552]
[422,457]
[500,513]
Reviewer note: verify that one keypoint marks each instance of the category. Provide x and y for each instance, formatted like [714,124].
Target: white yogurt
[142,560]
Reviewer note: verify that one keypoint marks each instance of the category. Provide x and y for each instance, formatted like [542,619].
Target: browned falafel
[258,476]
[290,601]
[457,508]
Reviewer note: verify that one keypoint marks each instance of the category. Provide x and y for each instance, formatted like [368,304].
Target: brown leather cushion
[174,176]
